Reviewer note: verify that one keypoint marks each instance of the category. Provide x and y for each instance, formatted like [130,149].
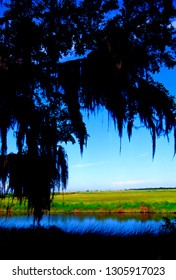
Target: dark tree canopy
[42,95]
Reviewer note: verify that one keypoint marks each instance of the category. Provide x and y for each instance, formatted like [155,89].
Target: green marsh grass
[117,201]
[127,201]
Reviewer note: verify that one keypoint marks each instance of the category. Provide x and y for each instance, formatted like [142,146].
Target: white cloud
[142,155]
[88,164]
[132,182]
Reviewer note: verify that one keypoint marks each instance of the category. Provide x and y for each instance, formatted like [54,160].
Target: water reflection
[121,224]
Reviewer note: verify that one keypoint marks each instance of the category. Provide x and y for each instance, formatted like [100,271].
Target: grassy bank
[128,201]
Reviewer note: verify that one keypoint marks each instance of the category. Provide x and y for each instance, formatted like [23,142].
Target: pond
[117,224]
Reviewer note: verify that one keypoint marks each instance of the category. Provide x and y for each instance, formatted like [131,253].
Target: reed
[53,243]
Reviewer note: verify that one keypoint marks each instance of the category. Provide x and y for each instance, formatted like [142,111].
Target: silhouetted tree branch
[42,96]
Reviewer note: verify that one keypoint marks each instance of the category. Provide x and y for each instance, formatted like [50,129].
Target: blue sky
[102,166]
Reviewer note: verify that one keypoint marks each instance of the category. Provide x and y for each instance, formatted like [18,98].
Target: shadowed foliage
[60,57]
[45,242]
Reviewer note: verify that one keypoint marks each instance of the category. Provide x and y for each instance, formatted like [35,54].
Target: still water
[120,224]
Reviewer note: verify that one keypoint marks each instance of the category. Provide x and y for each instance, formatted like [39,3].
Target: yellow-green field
[133,201]
[117,201]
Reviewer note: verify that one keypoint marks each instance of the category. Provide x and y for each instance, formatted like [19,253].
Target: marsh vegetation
[52,243]
[126,201]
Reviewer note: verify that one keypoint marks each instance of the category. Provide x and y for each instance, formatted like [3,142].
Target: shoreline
[8,213]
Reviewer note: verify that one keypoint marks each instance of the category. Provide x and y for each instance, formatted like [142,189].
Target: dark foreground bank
[52,243]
